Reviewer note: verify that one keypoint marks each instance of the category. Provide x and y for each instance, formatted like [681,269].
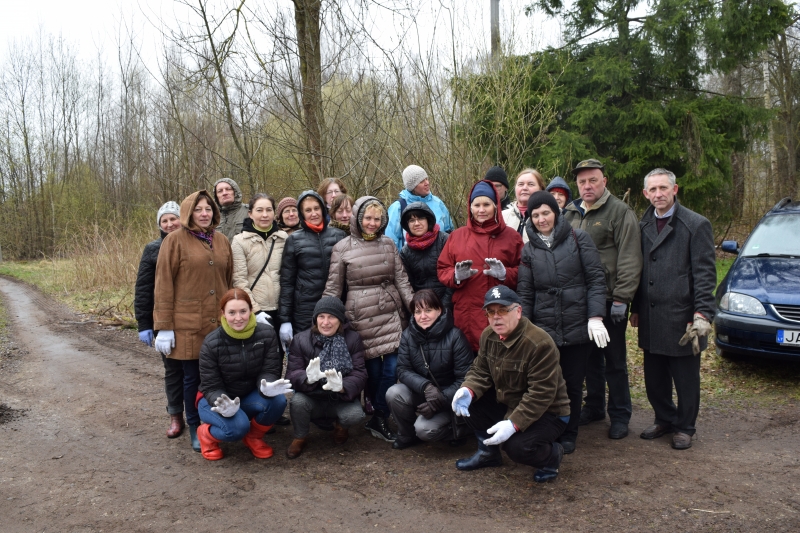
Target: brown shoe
[655,431]
[295,448]
[176,426]
[340,434]
[681,441]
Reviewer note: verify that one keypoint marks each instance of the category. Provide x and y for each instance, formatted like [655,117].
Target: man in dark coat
[674,306]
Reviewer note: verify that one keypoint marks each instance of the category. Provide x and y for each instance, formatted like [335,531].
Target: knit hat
[497,175]
[365,202]
[331,305]
[484,189]
[413,176]
[171,208]
[283,204]
[540,198]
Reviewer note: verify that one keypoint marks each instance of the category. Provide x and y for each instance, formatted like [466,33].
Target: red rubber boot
[209,446]
[259,448]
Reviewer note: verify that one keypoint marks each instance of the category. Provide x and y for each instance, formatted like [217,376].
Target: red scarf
[424,241]
[316,229]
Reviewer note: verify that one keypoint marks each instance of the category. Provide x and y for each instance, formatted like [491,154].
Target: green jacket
[614,228]
[524,369]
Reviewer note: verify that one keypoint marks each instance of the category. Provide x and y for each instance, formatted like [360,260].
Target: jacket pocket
[188,315]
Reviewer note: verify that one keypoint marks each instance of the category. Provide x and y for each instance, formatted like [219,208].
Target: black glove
[435,398]
[425,409]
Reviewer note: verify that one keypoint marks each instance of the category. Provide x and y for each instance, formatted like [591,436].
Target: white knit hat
[413,176]
[169,207]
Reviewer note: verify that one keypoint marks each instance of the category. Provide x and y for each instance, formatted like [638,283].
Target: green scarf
[369,236]
[246,333]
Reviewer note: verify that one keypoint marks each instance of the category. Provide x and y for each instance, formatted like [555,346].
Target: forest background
[279,95]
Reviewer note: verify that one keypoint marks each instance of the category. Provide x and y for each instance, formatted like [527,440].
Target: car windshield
[775,236]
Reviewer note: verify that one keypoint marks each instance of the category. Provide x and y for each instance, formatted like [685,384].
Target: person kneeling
[520,398]
[326,368]
[432,361]
[240,359]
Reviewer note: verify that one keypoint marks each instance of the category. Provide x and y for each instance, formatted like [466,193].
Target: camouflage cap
[587,163]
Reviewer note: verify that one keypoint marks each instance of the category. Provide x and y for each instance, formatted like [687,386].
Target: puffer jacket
[378,291]
[191,278]
[304,348]
[420,265]
[475,243]
[250,252]
[447,351]
[231,216]
[561,287]
[304,268]
[144,296]
[236,367]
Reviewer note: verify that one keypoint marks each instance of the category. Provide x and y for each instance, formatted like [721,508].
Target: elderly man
[228,196]
[514,395]
[417,189]
[674,306]
[613,227]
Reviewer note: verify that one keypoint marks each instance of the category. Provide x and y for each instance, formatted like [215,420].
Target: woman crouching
[326,368]
[240,359]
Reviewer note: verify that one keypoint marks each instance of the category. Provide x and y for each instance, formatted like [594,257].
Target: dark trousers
[173,384]
[191,382]
[660,372]
[610,365]
[530,447]
[573,368]
[381,374]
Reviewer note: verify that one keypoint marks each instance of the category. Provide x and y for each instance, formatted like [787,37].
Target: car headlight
[741,303]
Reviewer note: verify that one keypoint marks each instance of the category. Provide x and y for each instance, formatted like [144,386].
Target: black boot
[550,470]
[379,427]
[485,456]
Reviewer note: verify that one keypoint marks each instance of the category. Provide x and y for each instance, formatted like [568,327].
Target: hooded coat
[378,291]
[474,242]
[559,182]
[191,277]
[304,268]
[250,252]
[231,216]
[420,265]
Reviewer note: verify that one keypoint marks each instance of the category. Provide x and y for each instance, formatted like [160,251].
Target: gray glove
[225,406]
[496,268]
[618,312]
[286,333]
[464,270]
[699,328]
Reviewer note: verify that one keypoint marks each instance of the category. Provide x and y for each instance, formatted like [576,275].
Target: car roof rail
[781,204]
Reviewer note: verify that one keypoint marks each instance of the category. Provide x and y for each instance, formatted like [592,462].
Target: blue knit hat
[483,189]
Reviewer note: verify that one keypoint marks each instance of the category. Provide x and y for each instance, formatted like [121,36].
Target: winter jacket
[304,348]
[378,291]
[472,242]
[613,227]
[447,352]
[236,367]
[559,182]
[524,369]
[678,280]
[420,265]
[190,280]
[396,233]
[562,286]
[304,269]
[144,295]
[231,216]
[514,220]
[250,252]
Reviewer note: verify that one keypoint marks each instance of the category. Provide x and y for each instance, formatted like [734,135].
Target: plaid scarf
[424,241]
[205,237]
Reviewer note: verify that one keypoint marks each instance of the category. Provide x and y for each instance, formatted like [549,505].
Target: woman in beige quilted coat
[378,296]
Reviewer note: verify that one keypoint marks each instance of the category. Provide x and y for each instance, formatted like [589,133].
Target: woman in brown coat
[194,270]
[378,294]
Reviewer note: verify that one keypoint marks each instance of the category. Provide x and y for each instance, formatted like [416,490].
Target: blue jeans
[265,411]
[191,382]
[381,374]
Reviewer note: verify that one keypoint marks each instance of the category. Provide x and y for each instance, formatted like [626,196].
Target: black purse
[457,423]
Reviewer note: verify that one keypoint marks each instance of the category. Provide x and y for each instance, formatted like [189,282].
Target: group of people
[489,329]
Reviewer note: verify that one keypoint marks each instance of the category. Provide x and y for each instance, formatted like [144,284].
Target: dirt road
[82,426]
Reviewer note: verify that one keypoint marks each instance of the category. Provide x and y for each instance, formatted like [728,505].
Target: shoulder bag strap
[265,265]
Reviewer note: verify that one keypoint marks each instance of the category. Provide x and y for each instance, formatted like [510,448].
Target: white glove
[313,373]
[496,268]
[334,378]
[598,332]
[165,341]
[502,431]
[225,406]
[286,333]
[276,388]
[461,401]
[263,318]
[464,270]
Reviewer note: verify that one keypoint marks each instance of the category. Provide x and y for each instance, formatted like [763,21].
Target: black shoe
[457,443]
[379,428]
[568,445]
[403,444]
[618,430]
[486,456]
[325,424]
[194,439]
[283,421]
[655,431]
[588,416]
[550,472]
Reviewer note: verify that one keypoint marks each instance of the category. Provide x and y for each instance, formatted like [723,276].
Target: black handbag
[457,423]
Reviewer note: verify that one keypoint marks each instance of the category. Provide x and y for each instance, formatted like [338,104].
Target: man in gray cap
[417,189]
[614,228]
[514,394]
[228,196]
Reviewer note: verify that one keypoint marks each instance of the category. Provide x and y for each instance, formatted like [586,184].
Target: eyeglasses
[503,311]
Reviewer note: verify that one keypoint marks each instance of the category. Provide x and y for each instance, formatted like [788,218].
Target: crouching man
[514,395]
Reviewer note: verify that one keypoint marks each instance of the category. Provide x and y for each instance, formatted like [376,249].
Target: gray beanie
[413,176]
[331,305]
[168,208]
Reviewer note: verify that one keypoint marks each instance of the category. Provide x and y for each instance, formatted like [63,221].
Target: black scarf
[334,354]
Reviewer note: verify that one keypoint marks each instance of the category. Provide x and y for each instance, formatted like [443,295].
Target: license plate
[788,336]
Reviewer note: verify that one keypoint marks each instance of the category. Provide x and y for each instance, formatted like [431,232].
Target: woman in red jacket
[477,257]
